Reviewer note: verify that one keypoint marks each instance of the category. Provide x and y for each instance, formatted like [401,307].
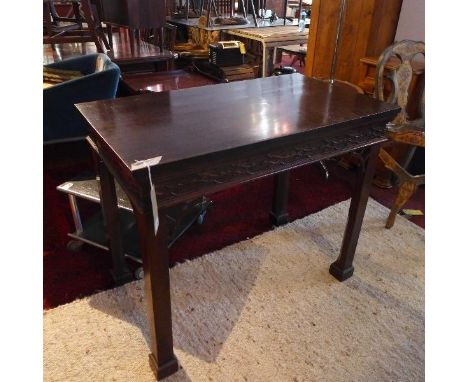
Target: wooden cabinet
[368,27]
[135,14]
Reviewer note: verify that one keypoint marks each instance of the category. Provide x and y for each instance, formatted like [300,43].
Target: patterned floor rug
[265,309]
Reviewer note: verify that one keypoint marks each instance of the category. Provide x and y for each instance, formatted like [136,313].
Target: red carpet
[237,213]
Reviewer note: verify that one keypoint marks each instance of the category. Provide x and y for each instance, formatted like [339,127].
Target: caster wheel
[139,273]
[74,245]
[201,218]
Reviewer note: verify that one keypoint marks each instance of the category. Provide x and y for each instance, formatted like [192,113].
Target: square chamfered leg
[279,210]
[342,268]
[157,290]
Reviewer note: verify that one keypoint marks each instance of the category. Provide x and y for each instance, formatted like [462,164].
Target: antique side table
[237,132]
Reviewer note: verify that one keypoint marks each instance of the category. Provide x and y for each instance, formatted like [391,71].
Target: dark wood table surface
[139,83]
[217,136]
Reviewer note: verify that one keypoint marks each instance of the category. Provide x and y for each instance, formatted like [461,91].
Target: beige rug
[265,309]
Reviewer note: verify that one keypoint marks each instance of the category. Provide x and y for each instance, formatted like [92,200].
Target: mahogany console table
[211,138]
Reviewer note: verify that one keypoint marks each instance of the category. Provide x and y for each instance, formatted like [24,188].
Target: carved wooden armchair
[401,129]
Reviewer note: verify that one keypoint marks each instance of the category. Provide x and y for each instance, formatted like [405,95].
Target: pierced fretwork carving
[254,165]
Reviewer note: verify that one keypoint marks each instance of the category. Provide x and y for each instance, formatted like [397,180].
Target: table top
[189,123]
[194,23]
[277,33]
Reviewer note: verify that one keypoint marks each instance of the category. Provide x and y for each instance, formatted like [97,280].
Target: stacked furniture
[59,29]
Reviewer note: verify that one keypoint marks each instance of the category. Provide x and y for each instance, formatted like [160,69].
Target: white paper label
[154,206]
[145,163]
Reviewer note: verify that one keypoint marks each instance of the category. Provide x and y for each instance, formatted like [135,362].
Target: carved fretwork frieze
[256,165]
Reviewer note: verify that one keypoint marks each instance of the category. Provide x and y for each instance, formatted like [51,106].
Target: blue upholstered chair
[62,121]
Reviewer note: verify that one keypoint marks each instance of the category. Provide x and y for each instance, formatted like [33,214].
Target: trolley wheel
[74,245]
[139,273]
[201,218]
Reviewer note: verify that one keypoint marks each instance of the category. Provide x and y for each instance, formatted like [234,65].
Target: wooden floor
[121,52]
[164,81]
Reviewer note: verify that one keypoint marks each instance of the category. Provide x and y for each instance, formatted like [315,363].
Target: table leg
[48,23]
[254,15]
[120,271]
[193,7]
[86,8]
[208,13]
[201,7]
[285,10]
[157,291]
[279,211]
[264,60]
[300,11]
[342,268]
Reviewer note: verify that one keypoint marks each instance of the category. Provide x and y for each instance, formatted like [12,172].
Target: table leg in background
[342,268]
[120,271]
[279,211]
[275,56]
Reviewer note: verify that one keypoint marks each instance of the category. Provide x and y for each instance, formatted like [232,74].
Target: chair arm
[99,85]
[61,118]
[84,64]
[411,133]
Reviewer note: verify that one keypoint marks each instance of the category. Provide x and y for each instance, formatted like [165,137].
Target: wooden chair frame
[401,130]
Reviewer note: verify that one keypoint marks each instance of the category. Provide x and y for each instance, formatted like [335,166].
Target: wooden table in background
[298,50]
[139,83]
[137,16]
[270,38]
[60,34]
[133,14]
[210,139]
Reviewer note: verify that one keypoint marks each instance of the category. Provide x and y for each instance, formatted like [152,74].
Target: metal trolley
[92,230]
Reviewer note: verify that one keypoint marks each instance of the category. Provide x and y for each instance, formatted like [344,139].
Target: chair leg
[76,12]
[293,61]
[131,36]
[102,36]
[85,6]
[109,35]
[405,191]
[161,39]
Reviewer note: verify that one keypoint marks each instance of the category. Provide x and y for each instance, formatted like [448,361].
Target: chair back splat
[401,130]
[400,78]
